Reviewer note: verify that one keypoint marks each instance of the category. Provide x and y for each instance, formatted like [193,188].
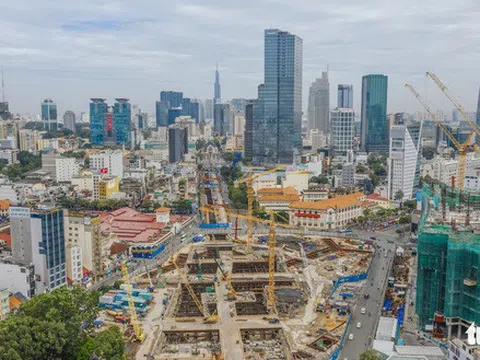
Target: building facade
[69,120]
[108,162]
[161,113]
[345,96]
[223,119]
[343,130]
[98,109]
[177,143]
[319,105]
[173,98]
[374,122]
[49,114]
[38,238]
[248,135]
[217,90]
[278,111]
[122,118]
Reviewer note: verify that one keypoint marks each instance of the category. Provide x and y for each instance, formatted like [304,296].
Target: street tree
[370,355]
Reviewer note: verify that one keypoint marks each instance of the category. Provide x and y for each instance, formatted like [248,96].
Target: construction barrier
[336,353]
[214,226]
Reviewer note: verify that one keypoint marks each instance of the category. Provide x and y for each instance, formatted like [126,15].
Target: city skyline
[63,58]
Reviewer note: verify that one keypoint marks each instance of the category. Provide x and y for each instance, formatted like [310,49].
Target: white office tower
[108,162]
[401,164]
[343,130]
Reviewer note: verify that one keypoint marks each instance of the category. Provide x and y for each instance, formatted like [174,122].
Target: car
[350,337]
[373,238]
[363,311]
[366,296]
[359,325]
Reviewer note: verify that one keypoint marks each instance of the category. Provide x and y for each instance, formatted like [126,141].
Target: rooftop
[338,202]
[376,197]
[132,226]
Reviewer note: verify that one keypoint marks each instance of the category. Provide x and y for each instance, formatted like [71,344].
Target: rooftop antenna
[3,88]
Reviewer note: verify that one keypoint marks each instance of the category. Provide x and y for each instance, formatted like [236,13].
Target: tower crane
[461,148]
[137,327]
[272,241]
[249,181]
[206,318]
[443,88]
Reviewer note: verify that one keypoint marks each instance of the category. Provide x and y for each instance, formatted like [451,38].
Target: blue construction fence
[336,353]
[145,254]
[351,278]
[214,226]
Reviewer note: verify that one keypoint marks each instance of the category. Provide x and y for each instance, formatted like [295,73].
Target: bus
[183,237]
[344,231]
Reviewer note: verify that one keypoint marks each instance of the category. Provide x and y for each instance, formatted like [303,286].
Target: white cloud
[73,50]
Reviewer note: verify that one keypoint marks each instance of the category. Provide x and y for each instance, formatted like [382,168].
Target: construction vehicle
[137,327]
[461,148]
[151,288]
[272,240]
[232,295]
[207,319]
[250,194]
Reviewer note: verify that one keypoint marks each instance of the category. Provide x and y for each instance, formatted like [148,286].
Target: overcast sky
[73,50]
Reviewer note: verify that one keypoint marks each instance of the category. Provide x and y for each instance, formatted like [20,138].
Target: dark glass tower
[122,118]
[374,122]
[98,110]
[278,111]
[217,92]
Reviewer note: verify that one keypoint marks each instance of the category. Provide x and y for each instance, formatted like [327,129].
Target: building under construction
[219,308]
[448,296]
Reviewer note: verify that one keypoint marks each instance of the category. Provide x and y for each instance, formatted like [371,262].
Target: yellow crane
[250,193]
[137,327]
[232,294]
[461,148]
[443,88]
[272,240]
[206,318]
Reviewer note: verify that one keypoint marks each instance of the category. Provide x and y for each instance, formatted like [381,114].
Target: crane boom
[232,291]
[272,241]
[137,327]
[443,88]
[189,288]
[434,117]
[249,181]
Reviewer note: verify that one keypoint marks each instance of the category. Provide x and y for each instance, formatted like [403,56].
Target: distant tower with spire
[217,90]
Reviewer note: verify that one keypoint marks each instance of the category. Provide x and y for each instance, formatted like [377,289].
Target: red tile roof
[131,226]
[7,238]
[376,197]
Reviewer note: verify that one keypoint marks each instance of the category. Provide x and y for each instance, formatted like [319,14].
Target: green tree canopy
[370,355]
[106,345]
[399,195]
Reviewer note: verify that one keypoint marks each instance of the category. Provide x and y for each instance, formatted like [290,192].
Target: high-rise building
[278,111]
[223,119]
[345,96]
[173,114]
[402,163]
[98,109]
[208,109]
[174,98]
[29,139]
[83,237]
[248,136]
[319,105]
[177,143]
[217,92]
[161,113]
[190,108]
[122,118]
[4,112]
[49,114]
[343,129]
[69,120]
[38,239]
[239,105]
[374,122]
[109,162]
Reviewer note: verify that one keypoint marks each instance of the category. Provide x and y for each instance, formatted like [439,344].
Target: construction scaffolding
[448,255]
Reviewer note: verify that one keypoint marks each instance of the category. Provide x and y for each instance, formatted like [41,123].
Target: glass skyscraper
[173,98]
[98,109]
[278,111]
[374,122]
[345,96]
[217,92]
[122,118]
[49,114]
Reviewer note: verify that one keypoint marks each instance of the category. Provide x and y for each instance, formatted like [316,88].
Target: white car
[359,325]
[350,337]
[363,311]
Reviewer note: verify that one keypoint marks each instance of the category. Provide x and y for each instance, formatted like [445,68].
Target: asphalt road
[374,286]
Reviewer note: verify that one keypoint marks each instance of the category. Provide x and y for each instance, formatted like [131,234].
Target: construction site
[219,303]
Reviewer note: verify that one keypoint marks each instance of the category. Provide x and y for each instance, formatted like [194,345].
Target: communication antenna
[3,88]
